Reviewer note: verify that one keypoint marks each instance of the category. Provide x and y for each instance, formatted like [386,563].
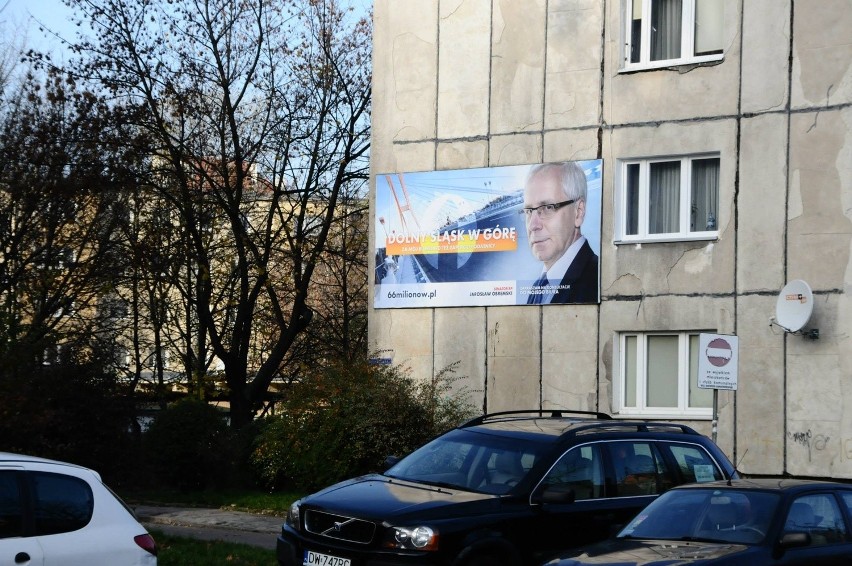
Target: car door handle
[22,557]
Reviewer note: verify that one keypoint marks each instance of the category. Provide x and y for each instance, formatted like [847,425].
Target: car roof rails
[544,413]
[635,426]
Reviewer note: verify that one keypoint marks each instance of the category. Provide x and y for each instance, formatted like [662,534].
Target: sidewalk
[212,524]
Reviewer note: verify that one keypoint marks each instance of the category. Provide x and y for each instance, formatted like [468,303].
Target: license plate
[316,559]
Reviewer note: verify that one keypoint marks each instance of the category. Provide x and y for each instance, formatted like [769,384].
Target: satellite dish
[794,306]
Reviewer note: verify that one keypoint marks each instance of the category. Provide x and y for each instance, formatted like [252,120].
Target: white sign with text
[718,355]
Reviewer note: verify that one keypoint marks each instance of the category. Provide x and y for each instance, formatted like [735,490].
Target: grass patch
[250,501]
[180,551]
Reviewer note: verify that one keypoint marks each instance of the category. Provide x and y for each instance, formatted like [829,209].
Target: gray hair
[571,177]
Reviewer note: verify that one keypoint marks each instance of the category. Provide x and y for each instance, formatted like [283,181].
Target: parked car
[502,489]
[742,522]
[57,513]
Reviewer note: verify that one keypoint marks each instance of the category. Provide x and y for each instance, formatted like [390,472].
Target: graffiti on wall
[815,442]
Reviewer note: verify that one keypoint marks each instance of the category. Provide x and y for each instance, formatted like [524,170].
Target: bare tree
[11,46]
[260,115]
[63,169]
[341,285]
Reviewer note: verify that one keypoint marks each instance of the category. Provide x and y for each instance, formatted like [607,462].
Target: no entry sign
[718,355]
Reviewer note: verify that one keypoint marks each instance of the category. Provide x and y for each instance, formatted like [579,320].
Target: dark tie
[536,298]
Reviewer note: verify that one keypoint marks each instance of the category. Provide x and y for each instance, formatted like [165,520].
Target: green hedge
[188,446]
[345,420]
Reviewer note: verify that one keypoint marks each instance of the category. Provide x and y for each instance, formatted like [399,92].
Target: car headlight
[412,538]
[293,515]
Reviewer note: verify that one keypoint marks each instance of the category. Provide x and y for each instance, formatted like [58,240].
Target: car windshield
[471,460]
[717,515]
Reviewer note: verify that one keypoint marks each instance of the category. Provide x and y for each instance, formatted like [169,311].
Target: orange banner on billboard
[467,241]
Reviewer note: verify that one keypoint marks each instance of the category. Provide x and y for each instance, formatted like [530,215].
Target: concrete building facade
[763,86]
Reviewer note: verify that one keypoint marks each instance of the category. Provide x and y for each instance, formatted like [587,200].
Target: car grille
[339,527]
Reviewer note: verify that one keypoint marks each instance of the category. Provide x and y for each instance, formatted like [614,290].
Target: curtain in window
[662,371]
[664,198]
[630,370]
[666,16]
[636,32]
[705,195]
[632,200]
[708,26]
[697,397]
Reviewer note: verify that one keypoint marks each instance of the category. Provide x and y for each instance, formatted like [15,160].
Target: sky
[23,17]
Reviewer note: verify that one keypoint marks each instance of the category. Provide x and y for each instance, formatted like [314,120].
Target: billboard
[515,235]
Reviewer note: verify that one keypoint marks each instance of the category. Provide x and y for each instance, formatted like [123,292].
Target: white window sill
[675,414]
[663,238]
[652,65]
[690,416]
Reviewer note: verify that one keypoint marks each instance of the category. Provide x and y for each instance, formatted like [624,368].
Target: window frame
[684,234]
[641,409]
[687,40]
[54,354]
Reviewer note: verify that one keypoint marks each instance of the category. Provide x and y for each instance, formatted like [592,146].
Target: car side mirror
[390,462]
[559,494]
[795,539]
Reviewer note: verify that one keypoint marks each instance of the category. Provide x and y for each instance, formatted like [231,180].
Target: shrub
[72,411]
[188,445]
[346,420]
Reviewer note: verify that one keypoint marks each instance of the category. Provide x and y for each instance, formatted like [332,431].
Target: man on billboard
[554,210]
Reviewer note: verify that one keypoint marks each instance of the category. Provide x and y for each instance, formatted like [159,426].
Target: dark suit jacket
[582,276]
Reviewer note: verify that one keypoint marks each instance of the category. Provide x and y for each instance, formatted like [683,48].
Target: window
[696,465]
[819,516]
[662,33]
[658,375]
[11,507]
[163,353]
[62,503]
[65,258]
[669,199]
[639,469]
[579,470]
[122,357]
[114,307]
[61,306]
[54,354]
[56,258]
[847,498]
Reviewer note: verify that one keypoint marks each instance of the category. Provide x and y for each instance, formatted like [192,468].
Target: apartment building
[719,131]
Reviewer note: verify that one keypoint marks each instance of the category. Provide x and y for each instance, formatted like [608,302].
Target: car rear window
[696,465]
[62,503]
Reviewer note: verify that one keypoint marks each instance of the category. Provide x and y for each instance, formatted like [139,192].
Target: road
[212,524]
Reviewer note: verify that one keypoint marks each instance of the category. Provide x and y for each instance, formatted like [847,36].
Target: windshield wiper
[441,484]
[701,539]
[423,481]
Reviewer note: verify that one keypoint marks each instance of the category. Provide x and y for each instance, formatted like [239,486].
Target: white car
[58,513]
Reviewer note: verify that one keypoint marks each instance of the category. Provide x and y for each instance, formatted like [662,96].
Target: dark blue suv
[506,488]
